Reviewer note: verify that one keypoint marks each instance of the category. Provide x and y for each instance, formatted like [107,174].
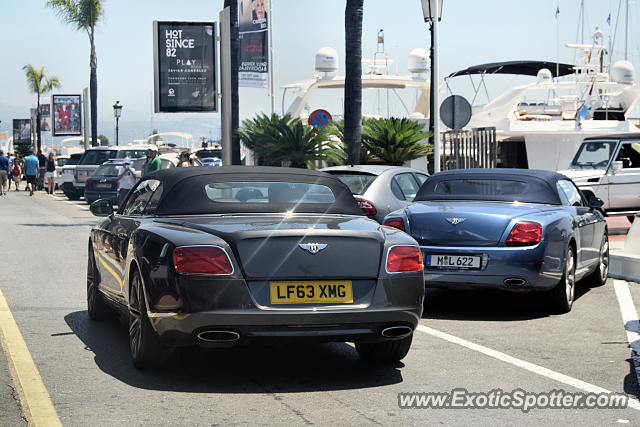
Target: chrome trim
[234,336]
[396,331]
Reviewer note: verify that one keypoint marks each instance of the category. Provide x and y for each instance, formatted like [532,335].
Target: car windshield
[110,169]
[357,182]
[594,154]
[97,157]
[132,154]
[268,192]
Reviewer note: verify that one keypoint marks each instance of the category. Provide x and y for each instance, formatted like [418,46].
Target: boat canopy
[526,68]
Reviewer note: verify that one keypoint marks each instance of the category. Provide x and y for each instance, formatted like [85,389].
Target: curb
[624,267]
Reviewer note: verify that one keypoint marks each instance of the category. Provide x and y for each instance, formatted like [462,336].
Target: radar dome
[544,75]
[418,61]
[327,60]
[623,72]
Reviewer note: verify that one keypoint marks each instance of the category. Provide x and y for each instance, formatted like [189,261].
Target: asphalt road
[90,379]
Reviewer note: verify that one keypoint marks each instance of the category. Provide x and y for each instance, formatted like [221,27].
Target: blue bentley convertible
[510,229]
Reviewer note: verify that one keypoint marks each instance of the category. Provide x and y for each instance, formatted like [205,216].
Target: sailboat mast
[582,25]
[626,31]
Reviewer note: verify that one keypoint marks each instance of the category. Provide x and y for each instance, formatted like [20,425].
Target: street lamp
[117,110]
[431,9]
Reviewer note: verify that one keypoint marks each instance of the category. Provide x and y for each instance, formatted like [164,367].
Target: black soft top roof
[183,190]
[526,68]
[541,186]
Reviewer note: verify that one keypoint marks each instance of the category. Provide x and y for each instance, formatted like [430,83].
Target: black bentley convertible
[221,256]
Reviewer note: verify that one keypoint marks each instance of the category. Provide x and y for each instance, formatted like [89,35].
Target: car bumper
[527,268]
[112,196]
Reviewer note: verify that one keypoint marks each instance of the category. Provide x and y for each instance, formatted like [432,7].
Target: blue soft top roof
[540,185]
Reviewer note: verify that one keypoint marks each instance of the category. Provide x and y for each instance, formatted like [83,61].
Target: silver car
[380,189]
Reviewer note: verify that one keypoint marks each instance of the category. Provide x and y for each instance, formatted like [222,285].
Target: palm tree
[336,129]
[353,79]
[39,83]
[395,140]
[84,15]
[235,100]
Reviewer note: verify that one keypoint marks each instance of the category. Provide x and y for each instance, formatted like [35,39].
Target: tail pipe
[515,281]
[396,331]
[220,336]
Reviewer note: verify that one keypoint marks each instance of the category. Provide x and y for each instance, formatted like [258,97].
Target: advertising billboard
[253,31]
[45,117]
[184,66]
[67,115]
[21,131]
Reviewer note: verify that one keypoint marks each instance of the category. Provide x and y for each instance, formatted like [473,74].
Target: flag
[583,110]
[609,19]
[557,11]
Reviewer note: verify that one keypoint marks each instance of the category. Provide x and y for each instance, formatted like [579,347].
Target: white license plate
[452,261]
[103,185]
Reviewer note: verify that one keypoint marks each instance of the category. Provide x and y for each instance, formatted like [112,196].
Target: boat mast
[626,30]
[582,16]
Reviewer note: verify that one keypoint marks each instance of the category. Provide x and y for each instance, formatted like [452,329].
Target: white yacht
[541,125]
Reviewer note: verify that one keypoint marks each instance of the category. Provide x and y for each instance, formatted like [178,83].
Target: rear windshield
[528,190]
[357,182]
[268,192]
[97,157]
[132,154]
[108,170]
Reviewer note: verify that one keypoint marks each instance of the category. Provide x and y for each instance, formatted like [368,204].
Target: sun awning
[526,68]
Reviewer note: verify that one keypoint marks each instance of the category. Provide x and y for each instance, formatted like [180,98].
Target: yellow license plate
[311,292]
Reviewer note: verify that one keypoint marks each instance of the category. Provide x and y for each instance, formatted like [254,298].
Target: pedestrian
[126,180]
[4,172]
[42,168]
[50,174]
[31,171]
[9,156]
[16,173]
[153,161]
[185,160]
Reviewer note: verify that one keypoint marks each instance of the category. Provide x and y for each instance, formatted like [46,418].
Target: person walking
[153,161]
[126,180]
[31,171]
[42,168]
[4,172]
[50,174]
[16,173]
[9,177]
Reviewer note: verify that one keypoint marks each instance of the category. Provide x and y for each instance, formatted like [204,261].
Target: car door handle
[123,235]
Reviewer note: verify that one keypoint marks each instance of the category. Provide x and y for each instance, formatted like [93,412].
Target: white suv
[609,168]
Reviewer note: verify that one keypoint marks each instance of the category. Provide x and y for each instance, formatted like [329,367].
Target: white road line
[531,367]
[630,320]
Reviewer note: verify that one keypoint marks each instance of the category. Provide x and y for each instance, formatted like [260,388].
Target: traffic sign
[320,119]
[455,112]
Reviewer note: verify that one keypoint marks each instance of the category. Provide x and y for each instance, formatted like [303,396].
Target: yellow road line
[34,397]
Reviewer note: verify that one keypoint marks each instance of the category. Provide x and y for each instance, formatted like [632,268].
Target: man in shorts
[31,165]
[4,172]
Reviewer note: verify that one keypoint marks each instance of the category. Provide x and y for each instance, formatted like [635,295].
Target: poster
[253,31]
[45,117]
[184,66]
[21,131]
[67,116]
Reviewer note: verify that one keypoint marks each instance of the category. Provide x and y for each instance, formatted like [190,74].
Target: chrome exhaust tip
[218,336]
[515,282]
[396,332]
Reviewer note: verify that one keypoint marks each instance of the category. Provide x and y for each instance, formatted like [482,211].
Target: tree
[103,140]
[395,140]
[336,129]
[39,83]
[156,138]
[84,15]
[235,100]
[277,139]
[353,80]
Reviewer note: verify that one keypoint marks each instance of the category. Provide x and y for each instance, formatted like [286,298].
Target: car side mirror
[616,166]
[101,207]
[596,202]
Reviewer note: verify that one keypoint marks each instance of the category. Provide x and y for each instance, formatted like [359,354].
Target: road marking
[630,320]
[34,397]
[531,367]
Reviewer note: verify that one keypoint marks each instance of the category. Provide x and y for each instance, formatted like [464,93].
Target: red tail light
[367,208]
[404,259]
[395,223]
[88,181]
[201,260]
[525,233]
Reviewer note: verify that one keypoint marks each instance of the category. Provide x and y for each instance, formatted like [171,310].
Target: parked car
[66,172]
[609,168]
[92,159]
[380,189]
[191,260]
[509,229]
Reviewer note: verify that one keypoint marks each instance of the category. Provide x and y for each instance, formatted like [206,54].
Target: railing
[464,149]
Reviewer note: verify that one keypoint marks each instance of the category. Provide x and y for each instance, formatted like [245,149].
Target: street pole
[225,86]
[117,130]
[434,119]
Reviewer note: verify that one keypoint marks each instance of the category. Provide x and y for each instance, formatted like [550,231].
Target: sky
[471,32]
